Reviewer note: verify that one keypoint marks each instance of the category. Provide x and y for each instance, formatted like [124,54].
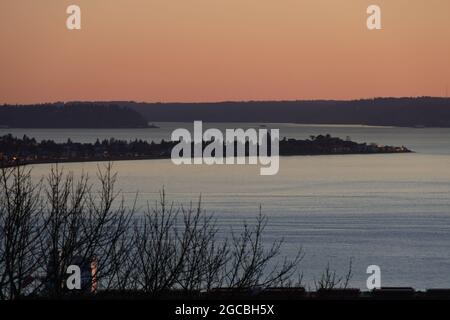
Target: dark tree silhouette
[71,115]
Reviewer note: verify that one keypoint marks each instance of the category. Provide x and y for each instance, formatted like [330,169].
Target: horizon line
[225,101]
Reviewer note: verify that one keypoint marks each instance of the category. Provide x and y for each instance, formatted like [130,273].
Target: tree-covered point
[22,151]
[70,115]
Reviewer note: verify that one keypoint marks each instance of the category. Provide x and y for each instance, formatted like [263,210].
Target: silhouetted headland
[16,151]
[71,115]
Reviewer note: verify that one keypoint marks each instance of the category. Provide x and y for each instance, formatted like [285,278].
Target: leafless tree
[176,248]
[190,256]
[252,265]
[20,229]
[84,224]
[48,225]
[331,280]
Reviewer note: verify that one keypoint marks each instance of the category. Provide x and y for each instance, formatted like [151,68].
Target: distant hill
[71,115]
[404,112]
[423,111]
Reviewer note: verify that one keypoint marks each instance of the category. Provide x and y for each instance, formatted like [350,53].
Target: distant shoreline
[411,112]
[24,151]
[157,125]
[119,159]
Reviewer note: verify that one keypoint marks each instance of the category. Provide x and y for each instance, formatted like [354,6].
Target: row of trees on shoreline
[71,115]
[27,150]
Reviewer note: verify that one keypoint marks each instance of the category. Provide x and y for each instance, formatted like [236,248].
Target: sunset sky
[216,50]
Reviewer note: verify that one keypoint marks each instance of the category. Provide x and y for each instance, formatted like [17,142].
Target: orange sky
[215,50]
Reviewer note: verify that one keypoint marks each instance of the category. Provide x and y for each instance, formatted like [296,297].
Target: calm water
[389,210]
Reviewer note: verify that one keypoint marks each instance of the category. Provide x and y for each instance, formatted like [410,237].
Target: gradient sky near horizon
[216,50]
